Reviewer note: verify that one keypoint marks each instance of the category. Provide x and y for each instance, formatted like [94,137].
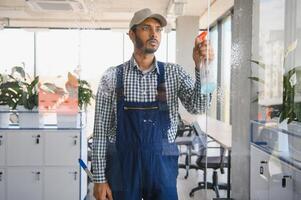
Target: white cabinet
[24,148]
[62,148]
[42,164]
[297,184]
[2,148]
[61,183]
[281,182]
[2,185]
[24,183]
[259,175]
[272,178]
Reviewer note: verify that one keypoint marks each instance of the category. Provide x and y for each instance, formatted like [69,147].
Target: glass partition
[275,131]
[70,61]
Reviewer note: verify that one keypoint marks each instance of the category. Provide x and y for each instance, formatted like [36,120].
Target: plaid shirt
[139,87]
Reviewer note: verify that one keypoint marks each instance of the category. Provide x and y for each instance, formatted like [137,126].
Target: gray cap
[145,13]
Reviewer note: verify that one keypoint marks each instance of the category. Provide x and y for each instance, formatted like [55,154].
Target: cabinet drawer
[259,174]
[62,149]
[24,148]
[2,183]
[24,183]
[2,148]
[281,180]
[61,183]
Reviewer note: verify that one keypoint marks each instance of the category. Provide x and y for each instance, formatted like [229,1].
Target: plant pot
[29,118]
[68,120]
[295,141]
[4,116]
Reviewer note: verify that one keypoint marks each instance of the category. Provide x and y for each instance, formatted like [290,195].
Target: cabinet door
[259,174]
[2,184]
[2,148]
[24,183]
[24,148]
[61,183]
[281,180]
[62,148]
[297,183]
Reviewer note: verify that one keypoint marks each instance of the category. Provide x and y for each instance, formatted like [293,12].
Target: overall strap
[161,87]
[161,78]
[119,84]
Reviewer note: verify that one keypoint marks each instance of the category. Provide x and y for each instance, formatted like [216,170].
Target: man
[134,154]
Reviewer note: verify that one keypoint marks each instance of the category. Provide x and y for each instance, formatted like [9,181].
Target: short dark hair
[134,28]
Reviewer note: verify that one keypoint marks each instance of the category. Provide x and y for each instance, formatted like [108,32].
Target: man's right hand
[102,191]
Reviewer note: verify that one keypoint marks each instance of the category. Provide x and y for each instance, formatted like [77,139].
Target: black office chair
[184,138]
[209,162]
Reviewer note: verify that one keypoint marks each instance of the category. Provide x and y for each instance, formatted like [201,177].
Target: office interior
[246,144]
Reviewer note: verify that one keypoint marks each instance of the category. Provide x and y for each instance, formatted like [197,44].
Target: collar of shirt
[134,64]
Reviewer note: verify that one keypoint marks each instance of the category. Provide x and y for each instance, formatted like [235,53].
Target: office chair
[209,162]
[185,136]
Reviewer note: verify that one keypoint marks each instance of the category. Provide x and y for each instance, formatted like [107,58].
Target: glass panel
[276,78]
[58,64]
[57,52]
[16,49]
[225,70]
[212,77]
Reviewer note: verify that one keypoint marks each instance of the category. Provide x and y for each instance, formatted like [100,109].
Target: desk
[218,131]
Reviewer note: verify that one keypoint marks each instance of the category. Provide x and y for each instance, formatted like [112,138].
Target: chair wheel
[191,194]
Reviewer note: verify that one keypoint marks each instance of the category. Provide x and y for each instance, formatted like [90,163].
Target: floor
[185,185]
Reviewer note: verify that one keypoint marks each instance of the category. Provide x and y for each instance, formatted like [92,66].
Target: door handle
[264,162]
[38,139]
[37,175]
[75,175]
[1,173]
[75,140]
[261,170]
[284,180]
[1,139]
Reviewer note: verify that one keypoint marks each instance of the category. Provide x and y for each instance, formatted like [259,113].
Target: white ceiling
[99,13]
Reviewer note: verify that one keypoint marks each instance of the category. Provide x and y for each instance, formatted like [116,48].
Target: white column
[187,29]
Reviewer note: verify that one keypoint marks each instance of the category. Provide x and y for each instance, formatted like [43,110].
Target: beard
[139,45]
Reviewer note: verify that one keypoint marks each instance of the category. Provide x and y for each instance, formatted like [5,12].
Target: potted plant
[85,97]
[27,101]
[29,116]
[78,96]
[49,97]
[10,94]
[4,108]
[289,107]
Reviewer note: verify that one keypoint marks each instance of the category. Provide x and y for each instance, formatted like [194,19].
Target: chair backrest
[183,129]
[199,143]
[202,142]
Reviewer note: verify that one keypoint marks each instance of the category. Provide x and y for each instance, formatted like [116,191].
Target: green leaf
[261,64]
[253,78]
[290,48]
[19,70]
[34,82]
[255,100]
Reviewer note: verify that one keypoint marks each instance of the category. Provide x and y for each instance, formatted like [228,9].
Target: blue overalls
[142,163]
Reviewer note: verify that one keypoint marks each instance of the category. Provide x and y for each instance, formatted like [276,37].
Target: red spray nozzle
[202,36]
